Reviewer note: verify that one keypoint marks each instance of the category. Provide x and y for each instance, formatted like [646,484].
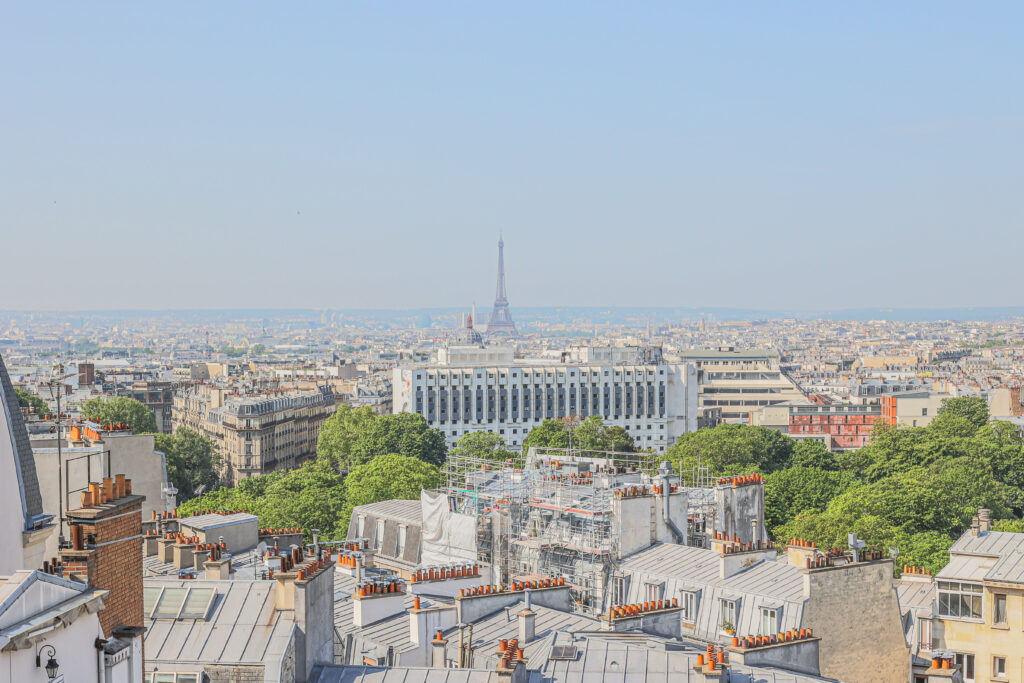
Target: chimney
[108,553]
[527,624]
[377,600]
[984,521]
[218,570]
[438,659]
[975,526]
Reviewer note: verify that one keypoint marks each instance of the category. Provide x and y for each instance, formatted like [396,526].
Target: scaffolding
[548,514]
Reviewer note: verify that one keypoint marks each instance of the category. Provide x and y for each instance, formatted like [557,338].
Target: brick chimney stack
[106,552]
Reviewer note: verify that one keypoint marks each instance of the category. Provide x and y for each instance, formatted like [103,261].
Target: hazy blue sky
[364,155]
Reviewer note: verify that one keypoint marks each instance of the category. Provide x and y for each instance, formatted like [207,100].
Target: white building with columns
[472,387]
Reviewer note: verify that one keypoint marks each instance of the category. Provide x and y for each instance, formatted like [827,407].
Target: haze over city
[775,157]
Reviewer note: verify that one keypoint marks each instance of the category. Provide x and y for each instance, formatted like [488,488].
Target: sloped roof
[31,501]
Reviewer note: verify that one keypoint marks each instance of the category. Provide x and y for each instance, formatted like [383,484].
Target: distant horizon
[529,313]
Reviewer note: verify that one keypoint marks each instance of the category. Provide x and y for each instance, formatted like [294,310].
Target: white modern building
[472,387]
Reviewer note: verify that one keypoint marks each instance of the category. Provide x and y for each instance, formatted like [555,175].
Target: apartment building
[157,395]
[980,603]
[739,382]
[840,426]
[476,388]
[258,433]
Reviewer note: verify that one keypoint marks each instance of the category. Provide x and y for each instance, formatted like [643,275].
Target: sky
[368,154]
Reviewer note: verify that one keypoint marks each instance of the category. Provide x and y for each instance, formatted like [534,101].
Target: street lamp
[51,663]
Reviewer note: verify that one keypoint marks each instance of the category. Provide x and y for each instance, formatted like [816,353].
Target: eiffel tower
[501,318]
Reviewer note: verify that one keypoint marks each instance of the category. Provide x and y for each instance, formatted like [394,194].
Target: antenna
[55,383]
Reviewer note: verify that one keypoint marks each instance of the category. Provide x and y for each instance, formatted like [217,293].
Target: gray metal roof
[1009,568]
[674,569]
[214,520]
[989,556]
[242,628]
[377,674]
[504,624]
[401,510]
[991,543]
[967,568]
[625,660]
[20,448]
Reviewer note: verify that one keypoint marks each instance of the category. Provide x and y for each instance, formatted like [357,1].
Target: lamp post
[51,663]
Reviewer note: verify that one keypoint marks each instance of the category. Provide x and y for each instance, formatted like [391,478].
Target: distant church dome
[467,336]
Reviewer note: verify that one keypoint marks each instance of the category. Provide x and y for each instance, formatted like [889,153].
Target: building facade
[255,434]
[654,401]
[738,382]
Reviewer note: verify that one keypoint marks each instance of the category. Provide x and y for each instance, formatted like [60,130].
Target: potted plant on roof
[728,627]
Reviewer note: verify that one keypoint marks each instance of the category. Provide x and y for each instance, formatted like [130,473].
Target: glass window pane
[188,678]
[1000,616]
[163,678]
[197,603]
[170,602]
[150,594]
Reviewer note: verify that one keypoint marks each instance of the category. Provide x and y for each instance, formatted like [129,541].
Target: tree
[971,407]
[483,445]
[340,431]
[311,497]
[112,410]
[789,492]
[404,433]
[589,435]
[548,434]
[387,477]
[27,399]
[192,460]
[733,449]
[808,453]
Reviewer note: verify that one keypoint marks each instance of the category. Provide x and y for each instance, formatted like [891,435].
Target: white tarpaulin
[447,536]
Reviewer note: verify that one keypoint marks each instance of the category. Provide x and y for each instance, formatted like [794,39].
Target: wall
[984,640]
[75,654]
[856,613]
[130,454]
[235,674]
[736,506]
[314,616]
[633,523]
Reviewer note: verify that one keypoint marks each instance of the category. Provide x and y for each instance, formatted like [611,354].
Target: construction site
[576,514]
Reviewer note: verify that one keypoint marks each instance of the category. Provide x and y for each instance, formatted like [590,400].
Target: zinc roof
[243,627]
[377,674]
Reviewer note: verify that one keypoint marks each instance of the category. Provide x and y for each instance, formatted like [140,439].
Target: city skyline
[760,158]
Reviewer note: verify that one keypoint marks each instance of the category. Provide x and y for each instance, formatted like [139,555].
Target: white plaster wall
[75,654]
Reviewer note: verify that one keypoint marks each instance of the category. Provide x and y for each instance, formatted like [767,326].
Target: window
[999,667]
[1000,610]
[960,600]
[727,618]
[619,596]
[362,526]
[379,534]
[402,532]
[769,621]
[966,663]
[925,634]
[688,603]
[654,591]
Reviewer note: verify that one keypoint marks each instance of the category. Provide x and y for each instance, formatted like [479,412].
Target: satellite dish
[261,549]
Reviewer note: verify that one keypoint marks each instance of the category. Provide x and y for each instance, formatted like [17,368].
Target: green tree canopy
[972,408]
[112,410]
[592,434]
[483,445]
[27,399]
[192,460]
[387,477]
[733,449]
[340,431]
[798,489]
[403,433]
[311,497]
